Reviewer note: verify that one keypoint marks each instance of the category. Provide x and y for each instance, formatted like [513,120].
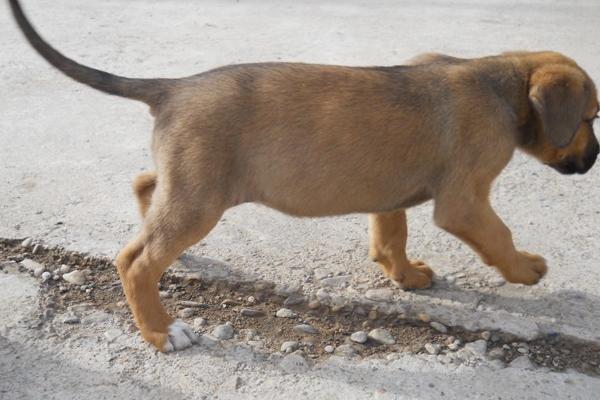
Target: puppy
[318,140]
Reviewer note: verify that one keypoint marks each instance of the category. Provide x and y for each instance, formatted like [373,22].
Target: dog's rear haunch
[317,140]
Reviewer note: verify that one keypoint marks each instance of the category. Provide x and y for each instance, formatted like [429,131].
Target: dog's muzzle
[578,165]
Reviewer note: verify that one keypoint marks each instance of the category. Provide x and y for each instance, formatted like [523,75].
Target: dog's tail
[150,91]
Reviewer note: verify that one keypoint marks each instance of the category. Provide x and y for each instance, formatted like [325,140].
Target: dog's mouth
[570,166]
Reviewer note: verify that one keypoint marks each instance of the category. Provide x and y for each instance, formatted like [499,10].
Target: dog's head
[563,105]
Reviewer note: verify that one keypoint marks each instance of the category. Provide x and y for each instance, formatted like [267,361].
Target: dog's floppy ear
[557,94]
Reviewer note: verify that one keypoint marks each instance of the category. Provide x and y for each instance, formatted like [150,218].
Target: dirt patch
[221,301]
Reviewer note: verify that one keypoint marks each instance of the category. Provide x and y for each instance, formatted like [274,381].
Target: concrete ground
[68,154]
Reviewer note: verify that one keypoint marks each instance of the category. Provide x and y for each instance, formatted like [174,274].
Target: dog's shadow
[573,312]
[568,311]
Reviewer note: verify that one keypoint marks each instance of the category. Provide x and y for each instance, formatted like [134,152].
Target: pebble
[372,315]
[305,329]
[329,349]
[71,319]
[36,249]
[251,299]
[223,332]
[523,350]
[164,294]
[76,277]
[64,269]
[359,337]
[45,276]
[250,312]
[186,313]
[199,323]
[293,300]
[313,305]
[432,348]
[496,282]
[27,242]
[345,350]
[477,347]
[39,271]
[486,335]
[289,347]
[188,303]
[382,336]
[112,334]
[285,313]
[381,295]
[438,327]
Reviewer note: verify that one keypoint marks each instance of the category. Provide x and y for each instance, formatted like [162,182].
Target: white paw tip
[181,336]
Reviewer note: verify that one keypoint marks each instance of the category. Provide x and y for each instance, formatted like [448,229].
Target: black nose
[590,158]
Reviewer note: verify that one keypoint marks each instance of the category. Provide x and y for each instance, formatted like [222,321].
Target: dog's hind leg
[143,187]
[388,248]
[174,221]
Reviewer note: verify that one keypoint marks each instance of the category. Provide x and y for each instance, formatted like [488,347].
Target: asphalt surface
[68,155]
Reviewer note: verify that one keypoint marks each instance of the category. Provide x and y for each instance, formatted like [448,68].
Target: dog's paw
[528,269]
[180,336]
[418,276]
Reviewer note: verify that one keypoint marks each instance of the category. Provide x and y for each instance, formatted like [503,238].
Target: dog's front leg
[388,248]
[471,218]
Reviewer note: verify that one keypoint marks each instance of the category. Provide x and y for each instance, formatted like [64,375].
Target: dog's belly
[336,200]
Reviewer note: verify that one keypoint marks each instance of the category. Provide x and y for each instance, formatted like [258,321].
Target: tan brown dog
[315,140]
